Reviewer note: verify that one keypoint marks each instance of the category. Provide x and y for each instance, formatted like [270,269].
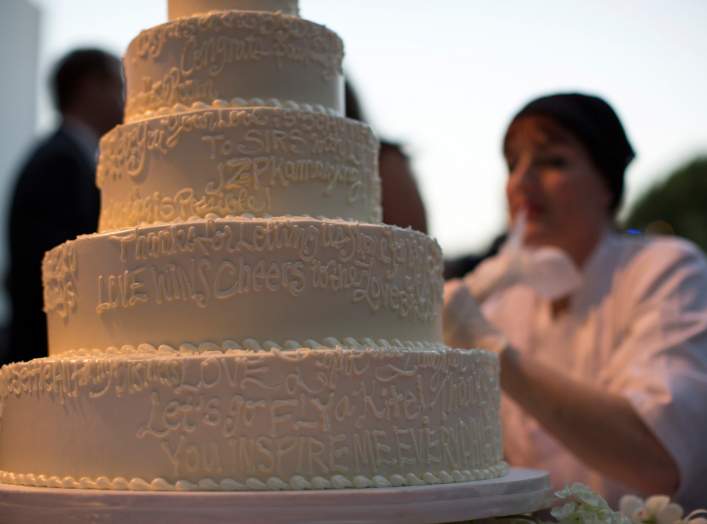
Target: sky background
[445,77]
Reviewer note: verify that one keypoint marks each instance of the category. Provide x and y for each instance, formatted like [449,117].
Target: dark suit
[54,200]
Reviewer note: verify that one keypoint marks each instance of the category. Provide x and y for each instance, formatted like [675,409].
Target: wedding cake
[242,320]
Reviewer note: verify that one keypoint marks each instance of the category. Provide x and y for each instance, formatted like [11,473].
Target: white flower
[580,505]
[630,505]
[662,510]
[657,510]
[695,518]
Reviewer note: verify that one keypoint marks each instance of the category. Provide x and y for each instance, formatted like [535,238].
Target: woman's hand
[464,326]
[599,427]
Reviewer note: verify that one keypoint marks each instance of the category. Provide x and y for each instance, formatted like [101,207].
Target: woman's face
[554,181]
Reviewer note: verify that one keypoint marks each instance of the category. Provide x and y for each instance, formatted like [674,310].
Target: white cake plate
[520,491]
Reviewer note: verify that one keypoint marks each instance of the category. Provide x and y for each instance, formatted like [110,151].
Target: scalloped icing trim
[296,483]
[249,217]
[231,104]
[375,219]
[251,345]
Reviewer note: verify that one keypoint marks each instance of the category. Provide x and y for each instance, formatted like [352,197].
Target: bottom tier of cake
[161,419]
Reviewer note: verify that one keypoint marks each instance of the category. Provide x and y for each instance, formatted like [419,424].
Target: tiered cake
[242,320]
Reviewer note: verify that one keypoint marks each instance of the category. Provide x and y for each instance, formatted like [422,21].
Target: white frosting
[184,8]
[272,279]
[233,103]
[296,483]
[229,54]
[227,162]
[206,338]
[302,419]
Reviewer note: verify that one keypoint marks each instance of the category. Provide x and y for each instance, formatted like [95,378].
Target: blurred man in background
[55,197]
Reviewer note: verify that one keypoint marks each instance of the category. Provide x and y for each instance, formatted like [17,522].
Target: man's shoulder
[55,146]
[55,154]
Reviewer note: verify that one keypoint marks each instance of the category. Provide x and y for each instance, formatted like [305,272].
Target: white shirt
[637,326]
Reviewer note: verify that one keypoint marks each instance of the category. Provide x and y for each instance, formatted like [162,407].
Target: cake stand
[520,491]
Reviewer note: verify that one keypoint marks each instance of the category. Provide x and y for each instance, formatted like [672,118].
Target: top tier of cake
[233,58]
[233,108]
[183,8]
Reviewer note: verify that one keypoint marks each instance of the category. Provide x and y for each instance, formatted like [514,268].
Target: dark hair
[352,105]
[595,124]
[74,67]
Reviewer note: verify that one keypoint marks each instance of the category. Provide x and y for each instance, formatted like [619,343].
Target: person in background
[55,197]
[605,384]
[400,198]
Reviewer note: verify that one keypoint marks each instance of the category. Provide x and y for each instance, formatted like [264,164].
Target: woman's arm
[599,427]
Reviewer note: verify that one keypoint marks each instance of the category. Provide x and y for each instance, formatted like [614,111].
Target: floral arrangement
[577,504]
[658,510]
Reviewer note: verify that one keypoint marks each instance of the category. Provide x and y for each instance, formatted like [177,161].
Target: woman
[606,384]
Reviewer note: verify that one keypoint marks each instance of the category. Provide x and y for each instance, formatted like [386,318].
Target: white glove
[546,269]
[464,326]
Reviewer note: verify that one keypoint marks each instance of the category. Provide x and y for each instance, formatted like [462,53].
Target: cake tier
[253,57]
[228,162]
[300,419]
[183,8]
[273,281]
